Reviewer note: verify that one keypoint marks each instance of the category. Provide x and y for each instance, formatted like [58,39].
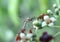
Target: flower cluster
[22,36]
[47,19]
[39,22]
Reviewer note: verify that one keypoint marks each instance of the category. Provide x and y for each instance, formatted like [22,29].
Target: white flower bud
[35,22]
[57,9]
[22,35]
[44,24]
[51,24]
[53,19]
[35,27]
[54,5]
[46,17]
[29,35]
[49,11]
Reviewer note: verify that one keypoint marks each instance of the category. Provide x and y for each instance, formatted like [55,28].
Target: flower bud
[51,24]
[46,17]
[49,11]
[30,34]
[37,24]
[54,6]
[53,19]
[44,24]
[22,35]
[57,11]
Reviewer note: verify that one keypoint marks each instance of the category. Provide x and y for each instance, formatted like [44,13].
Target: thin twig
[57,26]
[58,33]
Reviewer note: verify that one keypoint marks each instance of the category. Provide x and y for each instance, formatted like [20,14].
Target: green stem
[24,25]
[57,34]
[57,26]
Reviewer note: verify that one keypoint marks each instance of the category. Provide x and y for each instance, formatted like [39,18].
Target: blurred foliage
[13,13]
